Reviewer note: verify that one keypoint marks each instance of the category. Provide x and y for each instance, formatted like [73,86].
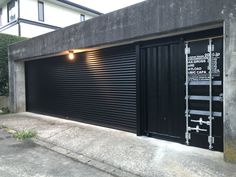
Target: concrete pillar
[230,91]
[17,99]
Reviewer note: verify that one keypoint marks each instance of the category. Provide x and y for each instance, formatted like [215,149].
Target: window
[82,17]
[11,10]
[41,11]
[0,16]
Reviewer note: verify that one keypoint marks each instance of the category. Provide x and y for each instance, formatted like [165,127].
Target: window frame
[0,16]
[82,17]
[10,8]
[43,17]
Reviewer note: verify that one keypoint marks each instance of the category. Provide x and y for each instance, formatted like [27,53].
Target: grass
[21,135]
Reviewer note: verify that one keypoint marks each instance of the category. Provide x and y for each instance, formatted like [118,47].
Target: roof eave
[80,7]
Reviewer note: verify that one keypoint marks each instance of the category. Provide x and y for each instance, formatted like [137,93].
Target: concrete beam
[149,18]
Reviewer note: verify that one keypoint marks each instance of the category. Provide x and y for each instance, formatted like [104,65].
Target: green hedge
[5,41]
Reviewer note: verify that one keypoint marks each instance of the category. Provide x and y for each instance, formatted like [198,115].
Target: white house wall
[29,9]
[30,31]
[4,13]
[13,30]
[69,16]
[54,14]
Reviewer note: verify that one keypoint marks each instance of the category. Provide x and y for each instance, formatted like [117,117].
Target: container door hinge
[211,48]
[187,137]
[211,140]
[221,97]
[187,51]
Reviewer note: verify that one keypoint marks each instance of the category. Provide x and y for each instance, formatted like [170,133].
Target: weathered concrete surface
[17,100]
[230,91]
[139,155]
[3,102]
[46,129]
[150,18]
[25,158]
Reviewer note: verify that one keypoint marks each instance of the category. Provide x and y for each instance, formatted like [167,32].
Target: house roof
[79,6]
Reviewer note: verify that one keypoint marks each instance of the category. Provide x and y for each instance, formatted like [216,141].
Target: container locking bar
[210,50]
[187,134]
[201,122]
[197,129]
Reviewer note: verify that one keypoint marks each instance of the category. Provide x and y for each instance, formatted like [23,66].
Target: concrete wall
[17,100]
[150,19]
[230,91]
[3,102]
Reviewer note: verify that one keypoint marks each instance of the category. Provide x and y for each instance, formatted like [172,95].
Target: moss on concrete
[230,152]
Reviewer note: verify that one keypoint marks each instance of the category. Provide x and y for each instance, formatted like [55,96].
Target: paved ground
[27,159]
[115,149]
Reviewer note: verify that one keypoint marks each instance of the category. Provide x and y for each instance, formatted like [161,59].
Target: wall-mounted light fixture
[71,55]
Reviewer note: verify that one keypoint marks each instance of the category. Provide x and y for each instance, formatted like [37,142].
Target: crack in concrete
[110,169]
[60,132]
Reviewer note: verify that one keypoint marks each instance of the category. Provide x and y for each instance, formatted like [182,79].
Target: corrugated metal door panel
[99,87]
[164,78]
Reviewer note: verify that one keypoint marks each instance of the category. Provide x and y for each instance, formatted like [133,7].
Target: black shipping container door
[199,92]
[98,87]
[163,67]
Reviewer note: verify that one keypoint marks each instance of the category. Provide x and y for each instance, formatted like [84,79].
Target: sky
[106,6]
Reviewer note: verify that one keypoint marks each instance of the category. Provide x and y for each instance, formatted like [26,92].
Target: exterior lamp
[71,55]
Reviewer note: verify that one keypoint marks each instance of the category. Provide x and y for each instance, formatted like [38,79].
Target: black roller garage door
[98,87]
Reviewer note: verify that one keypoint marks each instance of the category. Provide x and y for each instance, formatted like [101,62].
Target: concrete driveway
[120,153]
[27,159]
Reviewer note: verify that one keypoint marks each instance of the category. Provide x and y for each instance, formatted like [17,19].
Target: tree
[5,41]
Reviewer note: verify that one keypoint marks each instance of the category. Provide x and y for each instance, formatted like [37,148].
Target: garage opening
[169,88]
[97,87]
